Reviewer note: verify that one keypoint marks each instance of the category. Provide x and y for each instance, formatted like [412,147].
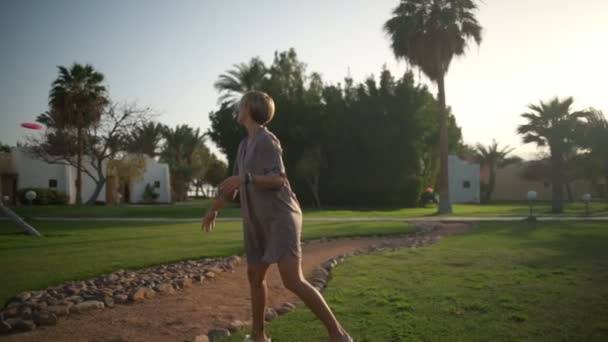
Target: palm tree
[146,139]
[493,157]
[554,125]
[180,151]
[77,100]
[243,78]
[429,34]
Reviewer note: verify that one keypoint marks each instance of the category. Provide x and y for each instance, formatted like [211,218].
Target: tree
[554,125]
[351,144]
[106,140]
[429,34]
[493,157]
[243,78]
[77,100]
[127,169]
[595,141]
[146,139]
[185,152]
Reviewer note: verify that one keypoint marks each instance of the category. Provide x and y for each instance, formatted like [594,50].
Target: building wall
[155,172]
[36,173]
[511,187]
[464,180]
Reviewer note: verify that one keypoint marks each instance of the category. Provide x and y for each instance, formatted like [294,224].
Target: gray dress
[272,219]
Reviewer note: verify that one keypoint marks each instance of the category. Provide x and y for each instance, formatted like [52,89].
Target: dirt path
[195,310]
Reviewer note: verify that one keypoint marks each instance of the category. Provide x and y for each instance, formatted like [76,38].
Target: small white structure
[464,180]
[35,173]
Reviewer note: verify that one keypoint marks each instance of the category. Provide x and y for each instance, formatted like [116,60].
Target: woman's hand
[209,221]
[230,185]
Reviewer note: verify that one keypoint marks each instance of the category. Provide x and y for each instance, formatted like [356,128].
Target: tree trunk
[98,186]
[557,183]
[98,183]
[491,185]
[445,205]
[314,189]
[569,192]
[79,167]
[18,221]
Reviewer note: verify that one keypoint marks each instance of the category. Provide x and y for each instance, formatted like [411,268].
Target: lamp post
[531,197]
[30,196]
[586,198]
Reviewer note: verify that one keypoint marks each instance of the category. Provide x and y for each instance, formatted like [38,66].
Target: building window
[52,183]
[466,184]
[157,184]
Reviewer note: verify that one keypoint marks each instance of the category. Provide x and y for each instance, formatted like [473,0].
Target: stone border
[30,309]
[322,274]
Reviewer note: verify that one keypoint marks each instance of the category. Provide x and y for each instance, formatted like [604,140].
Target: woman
[272,218]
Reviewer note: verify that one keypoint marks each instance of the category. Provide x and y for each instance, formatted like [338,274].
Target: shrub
[150,194]
[44,196]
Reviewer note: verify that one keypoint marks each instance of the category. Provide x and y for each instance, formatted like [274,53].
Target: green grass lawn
[503,282]
[197,208]
[77,250]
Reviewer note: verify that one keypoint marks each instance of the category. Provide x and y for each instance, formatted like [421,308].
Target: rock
[42,306]
[45,319]
[59,310]
[215,269]
[209,275]
[5,327]
[26,313]
[329,264]
[165,288]
[216,334]
[234,260]
[270,315]
[121,298]
[24,296]
[186,282]
[11,311]
[87,306]
[320,273]
[198,279]
[20,325]
[75,299]
[108,302]
[149,293]
[201,338]
[236,325]
[138,295]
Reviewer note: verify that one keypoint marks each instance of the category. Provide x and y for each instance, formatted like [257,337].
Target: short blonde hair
[260,106]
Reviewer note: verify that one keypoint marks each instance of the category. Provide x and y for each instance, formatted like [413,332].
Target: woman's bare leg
[290,268]
[257,283]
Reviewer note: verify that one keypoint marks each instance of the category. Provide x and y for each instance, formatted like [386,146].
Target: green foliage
[493,157]
[187,156]
[351,144]
[44,196]
[555,125]
[150,195]
[4,148]
[146,139]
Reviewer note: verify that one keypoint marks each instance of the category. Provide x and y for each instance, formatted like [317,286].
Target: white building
[30,172]
[464,180]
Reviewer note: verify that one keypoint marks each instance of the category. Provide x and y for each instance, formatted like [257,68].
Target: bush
[150,194]
[44,196]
